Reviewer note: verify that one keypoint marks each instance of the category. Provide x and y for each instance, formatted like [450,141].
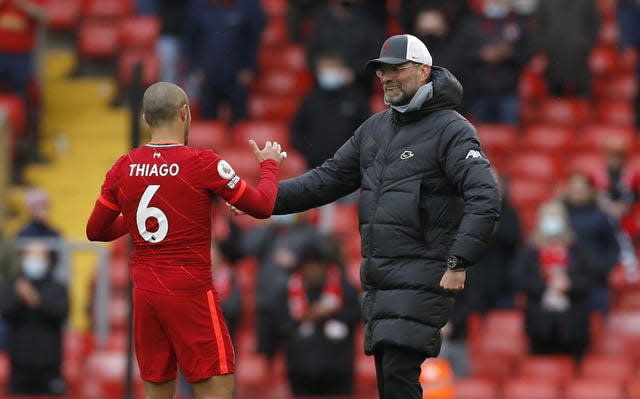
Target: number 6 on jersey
[145,212]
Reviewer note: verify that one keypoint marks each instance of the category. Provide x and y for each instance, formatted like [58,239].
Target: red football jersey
[164,192]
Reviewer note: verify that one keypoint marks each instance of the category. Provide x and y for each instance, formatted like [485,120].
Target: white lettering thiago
[145,169]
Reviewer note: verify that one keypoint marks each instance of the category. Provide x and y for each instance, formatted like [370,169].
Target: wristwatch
[456,263]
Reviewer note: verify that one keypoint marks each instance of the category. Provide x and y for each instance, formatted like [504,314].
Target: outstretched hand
[270,151]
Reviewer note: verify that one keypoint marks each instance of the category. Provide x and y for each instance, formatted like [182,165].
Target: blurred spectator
[315,135]
[173,15]
[221,46]
[345,29]
[453,10]
[148,7]
[618,195]
[35,307]
[628,17]
[277,246]
[492,286]
[38,205]
[300,17]
[554,274]
[18,25]
[595,232]
[497,47]
[9,267]
[432,27]
[317,313]
[567,31]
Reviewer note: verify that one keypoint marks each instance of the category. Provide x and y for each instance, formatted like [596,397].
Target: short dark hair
[161,103]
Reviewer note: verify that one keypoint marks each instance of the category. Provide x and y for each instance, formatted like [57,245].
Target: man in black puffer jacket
[428,205]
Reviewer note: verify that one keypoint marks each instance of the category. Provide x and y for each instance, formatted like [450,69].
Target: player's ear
[144,118]
[184,112]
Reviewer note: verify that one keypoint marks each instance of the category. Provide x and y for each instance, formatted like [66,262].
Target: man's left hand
[453,280]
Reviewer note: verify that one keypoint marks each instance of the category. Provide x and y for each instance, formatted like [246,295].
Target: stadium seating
[497,139]
[5,369]
[530,388]
[107,9]
[98,39]
[609,368]
[593,137]
[475,388]
[603,60]
[553,368]
[594,389]
[491,366]
[549,138]
[272,108]
[209,135]
[261,132]
[281,82]
[295,165]
[62,14]
[149,60]
[564,111]
[534,165]
[139,32]
[633,389]
[616,112]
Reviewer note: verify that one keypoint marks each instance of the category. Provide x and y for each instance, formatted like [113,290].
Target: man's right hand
[270,151]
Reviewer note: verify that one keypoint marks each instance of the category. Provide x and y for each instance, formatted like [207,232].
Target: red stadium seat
[531,85]
[609,33]
[119,275]
[594,389]
[565,111]
[535,165]
[616,112]
[208,135]
[274,8]
[633,389]
[111,9]
[273,108]
[140,32]
[365,369]
[98,39]
[275,33]
[590,162]
[16,111]
[492,366]
[549,137]
[603,60]
[119,312]
[149,60]
[244,163]
[619,345]
[295,165]
[609,368]
[283,82]
[557,368]
[607,9]
[623,86]
[62,14]
[528,193]
[104,374]
[595,136]
[497,138]
[344,219]
[505,321]
[290,57]
[475,388]
[514,346]
[530,388]
[5,368]
[261,132]
[251,370]
[624,323]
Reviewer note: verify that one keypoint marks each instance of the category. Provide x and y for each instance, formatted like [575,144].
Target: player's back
[164,192]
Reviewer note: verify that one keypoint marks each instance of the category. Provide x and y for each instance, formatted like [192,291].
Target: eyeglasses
[393,69]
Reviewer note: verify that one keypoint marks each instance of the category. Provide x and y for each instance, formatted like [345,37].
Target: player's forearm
[105,224]
[259,201]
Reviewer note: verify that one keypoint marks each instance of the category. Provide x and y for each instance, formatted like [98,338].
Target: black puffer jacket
[427,193]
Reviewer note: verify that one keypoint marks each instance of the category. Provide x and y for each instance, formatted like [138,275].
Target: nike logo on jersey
[406,155]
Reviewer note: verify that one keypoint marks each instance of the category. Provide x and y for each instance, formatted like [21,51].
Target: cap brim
[385,60]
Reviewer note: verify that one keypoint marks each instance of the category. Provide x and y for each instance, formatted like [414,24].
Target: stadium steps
[81,135]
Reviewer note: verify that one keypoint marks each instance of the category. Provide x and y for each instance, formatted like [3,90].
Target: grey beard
[424,93]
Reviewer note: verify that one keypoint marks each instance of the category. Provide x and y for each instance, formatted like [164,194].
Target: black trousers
[327,384]
[397,372]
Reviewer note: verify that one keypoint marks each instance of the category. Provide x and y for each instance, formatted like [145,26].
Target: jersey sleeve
[221,179]
[108,191]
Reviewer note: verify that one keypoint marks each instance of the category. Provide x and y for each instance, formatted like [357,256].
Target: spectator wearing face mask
[35,308]
[330,113]
[346,29]
[497,46]
[554,273]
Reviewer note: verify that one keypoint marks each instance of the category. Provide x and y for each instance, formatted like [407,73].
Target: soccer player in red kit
[161,194]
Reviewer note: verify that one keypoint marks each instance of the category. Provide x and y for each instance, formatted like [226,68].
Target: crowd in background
[558,272]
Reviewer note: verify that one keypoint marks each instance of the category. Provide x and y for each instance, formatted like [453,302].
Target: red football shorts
[186,330]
